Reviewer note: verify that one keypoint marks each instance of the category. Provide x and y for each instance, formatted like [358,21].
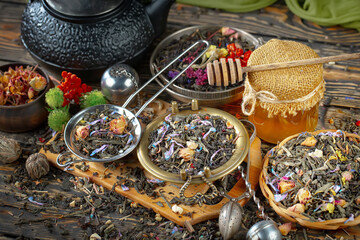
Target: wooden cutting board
[199,214]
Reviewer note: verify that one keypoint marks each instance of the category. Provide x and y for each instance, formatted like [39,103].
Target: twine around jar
[266,96]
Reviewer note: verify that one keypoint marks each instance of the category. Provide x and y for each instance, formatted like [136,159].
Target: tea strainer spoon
[69,132]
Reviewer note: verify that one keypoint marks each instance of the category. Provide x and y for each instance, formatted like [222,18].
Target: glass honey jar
[283,102]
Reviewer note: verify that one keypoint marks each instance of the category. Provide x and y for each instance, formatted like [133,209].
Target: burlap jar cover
[283,91]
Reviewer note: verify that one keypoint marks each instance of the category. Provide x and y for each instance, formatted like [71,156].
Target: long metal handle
[170,82]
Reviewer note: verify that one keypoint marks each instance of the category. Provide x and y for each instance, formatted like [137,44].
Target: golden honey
[277,128]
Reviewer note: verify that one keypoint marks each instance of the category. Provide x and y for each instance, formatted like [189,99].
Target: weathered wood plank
[276,21]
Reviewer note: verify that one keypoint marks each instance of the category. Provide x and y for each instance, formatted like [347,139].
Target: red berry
[357,123]
[247,55]
[64,74]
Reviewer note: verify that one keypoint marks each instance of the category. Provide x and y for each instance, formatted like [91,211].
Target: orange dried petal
[286,185]
[297,208]
[285,228]
[309,142]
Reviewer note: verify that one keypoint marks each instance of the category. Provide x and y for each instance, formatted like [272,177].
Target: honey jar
[283,102]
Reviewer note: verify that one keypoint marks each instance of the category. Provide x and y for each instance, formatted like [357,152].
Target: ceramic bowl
[185,95]
[24,117]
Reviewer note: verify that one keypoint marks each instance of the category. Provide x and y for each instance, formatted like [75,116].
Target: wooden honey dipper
[231,71]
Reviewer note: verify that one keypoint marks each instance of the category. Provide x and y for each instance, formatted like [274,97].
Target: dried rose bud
[82,131]
[357,200]
[297,208]
[37,165]
[340,202]
[303,195]
[286,185]
[309,142]
[347,175]
[118,126]
[10,150]
[186,153]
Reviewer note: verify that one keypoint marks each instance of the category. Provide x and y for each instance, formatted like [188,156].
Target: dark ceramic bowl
[24,117]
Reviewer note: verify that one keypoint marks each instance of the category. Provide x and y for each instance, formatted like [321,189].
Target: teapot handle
[158,11]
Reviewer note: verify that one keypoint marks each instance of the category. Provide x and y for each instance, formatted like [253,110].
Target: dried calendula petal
[309,142]
[186,153]
[303,195]
[297,208]
[286,185]
[285,228]
[118,126]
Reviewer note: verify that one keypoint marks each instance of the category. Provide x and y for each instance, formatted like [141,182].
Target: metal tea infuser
[231,213]
[137,131]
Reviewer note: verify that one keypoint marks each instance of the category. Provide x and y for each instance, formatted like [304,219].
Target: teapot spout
[158,11]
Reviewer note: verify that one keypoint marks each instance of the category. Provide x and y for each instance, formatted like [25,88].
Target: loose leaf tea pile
[224,43]
[103,134]
[192,142]
[317,175]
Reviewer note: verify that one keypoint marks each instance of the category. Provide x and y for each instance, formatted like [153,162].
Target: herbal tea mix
[192,142]
[103,134]
[317,175]
[224,43]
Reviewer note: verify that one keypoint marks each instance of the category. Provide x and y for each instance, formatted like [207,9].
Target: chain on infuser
[198,198]
[252,193]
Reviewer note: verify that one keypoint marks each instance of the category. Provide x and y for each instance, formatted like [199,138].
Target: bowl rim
[176,35]
[239,155]
[71,124]
[280,209]
[38,70]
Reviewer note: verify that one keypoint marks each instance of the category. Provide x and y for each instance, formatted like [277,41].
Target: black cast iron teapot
[87,36]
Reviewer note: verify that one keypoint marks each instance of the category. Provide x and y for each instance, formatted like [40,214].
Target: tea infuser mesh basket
[282,210]
[283,91]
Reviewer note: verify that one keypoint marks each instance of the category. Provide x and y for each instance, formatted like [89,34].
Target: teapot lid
[83,8]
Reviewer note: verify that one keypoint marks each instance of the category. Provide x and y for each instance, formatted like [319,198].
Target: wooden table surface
[342,96]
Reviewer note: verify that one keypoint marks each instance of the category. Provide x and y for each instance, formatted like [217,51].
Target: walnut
[37,165]
[10,150]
